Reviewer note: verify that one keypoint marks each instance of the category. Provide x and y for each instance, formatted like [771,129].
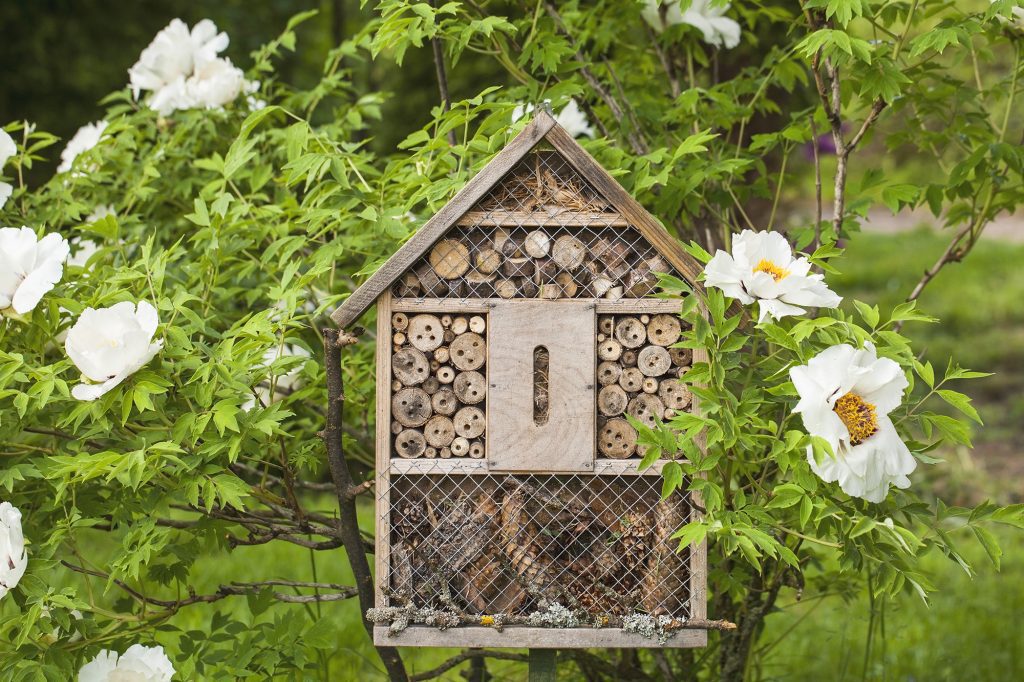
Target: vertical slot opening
[541,360]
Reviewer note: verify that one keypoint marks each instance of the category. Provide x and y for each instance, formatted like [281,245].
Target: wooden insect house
[515,332]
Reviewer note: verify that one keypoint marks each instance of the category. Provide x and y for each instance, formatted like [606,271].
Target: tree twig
[442,78]
[467,655]
[346,492]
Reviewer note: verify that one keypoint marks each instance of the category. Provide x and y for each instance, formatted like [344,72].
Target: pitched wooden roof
[542,127]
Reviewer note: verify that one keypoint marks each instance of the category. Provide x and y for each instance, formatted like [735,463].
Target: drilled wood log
[675,394]
[470,387]
[518,267]
[681,357]
[399,322]
[399,339]
[612,253]
[608,373]
[439,431]
[537,244]
[631,380]
[444,453]
[653,361]
[445,374]
[411,407]
[506,288]
[410,366]
[600,286]
[446,321]
[396,428]
[410,444]
[650,385]
[468,351]
[609,350]
[476,450]
[488,261]
[663,330]
[606,324]
[449,259]
[477,324]
[568,252]
[430,385]
[612,400]
[460,325]
[425,332]
[441,354]
[460,447]
[630,333]
[613,294]
[444,402]
[550,292]
[430,452]
[512,248]
[616,439]
[567,283]
[430,282]
[639,284]
[469,422]
[628,358]
[646,409]
[448,337]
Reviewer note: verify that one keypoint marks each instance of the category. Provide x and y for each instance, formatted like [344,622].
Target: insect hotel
[514,335]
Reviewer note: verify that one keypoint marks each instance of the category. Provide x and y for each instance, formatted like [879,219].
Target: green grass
[970,631]
[980,304]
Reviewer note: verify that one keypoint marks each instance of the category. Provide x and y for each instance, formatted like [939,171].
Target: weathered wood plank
[565,218]
[518,636]
[474,190]
[563,439]
[383,435]
[483,305]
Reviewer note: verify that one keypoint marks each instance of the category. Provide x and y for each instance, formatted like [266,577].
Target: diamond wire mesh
[541,232]
[505,544]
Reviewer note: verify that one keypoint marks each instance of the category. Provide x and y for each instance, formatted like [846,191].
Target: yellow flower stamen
[859,417]
[486,620]
[772,269]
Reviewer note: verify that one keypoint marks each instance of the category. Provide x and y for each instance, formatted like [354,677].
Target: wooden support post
[542,665]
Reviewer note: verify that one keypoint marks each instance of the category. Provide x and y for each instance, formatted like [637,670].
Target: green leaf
[960,402]
[673,478]
[989,541]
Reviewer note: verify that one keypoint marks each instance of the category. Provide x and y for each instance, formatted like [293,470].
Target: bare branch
[467,655]
[348,521]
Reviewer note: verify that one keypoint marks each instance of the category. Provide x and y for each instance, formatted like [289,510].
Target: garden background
[62,58]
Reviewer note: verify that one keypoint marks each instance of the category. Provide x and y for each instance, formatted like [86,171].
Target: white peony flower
[571,117]
[137,664]
[13,557]
[29,267]
[214,84]
[84,250]
[174,55]
[283,383]
[762,268]
[718,29]
[7,150]
[846,396]
[101,211]
[87,137]
[110,344]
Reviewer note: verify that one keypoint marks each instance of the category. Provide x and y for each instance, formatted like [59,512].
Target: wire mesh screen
[514,544]
[542,232]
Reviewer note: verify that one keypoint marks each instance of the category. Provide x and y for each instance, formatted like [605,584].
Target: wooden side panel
[519,636]
[383,434]
[517,440]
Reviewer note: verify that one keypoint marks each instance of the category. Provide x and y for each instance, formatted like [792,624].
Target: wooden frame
[460,211]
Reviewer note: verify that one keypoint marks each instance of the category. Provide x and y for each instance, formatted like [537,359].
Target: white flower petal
[7,147]
[87,137]
[110,344]
[138,664]
[776,309]
[723,272]
[6,189]
[29,267]
[13,557]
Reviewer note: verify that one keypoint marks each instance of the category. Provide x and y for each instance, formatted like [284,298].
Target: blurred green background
[61,57]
